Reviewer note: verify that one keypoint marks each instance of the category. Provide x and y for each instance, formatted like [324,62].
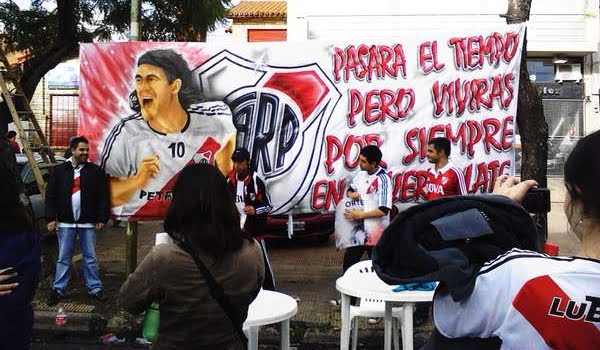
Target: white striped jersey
[376,192]
[208,129]
[530,301]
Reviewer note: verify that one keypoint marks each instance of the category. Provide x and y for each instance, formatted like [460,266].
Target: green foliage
[161,20]
[27,29]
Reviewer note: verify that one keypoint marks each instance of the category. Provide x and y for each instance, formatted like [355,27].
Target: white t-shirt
[240,203]
[530,301]
[208,129]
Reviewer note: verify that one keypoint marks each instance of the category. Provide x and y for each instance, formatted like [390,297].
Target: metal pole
[135,29]
[132,226]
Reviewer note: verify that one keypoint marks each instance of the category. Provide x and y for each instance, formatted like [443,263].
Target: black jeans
[353,255]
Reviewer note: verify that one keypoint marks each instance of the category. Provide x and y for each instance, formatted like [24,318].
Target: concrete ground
[304,269]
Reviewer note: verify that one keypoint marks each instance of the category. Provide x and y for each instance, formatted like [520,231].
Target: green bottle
[151,321]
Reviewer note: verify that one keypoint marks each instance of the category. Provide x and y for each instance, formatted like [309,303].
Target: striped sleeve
[116,159]
[461,187]
[263,201]
[384,190]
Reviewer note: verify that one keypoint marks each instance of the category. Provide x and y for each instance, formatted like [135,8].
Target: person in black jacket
[20,265]
[77,203]
[250,196]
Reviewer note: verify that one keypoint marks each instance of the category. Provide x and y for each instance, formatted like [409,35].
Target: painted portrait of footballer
[170,127]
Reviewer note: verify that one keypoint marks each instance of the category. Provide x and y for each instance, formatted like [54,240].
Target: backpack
[449,239]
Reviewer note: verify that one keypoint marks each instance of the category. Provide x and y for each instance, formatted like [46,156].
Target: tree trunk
[530,113]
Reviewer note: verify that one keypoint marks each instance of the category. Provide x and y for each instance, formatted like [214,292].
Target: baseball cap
[240,154]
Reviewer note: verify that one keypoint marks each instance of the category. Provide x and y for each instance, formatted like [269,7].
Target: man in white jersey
[144,153]
[373,185]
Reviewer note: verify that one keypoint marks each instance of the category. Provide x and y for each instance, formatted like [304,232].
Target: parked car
[317,225]
[31,188]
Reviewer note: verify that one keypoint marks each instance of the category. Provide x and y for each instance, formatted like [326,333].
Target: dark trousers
[269,282]
[352,255]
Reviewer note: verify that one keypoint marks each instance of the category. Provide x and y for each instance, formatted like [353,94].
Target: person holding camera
[524,299]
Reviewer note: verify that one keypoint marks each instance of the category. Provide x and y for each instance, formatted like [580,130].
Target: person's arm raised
[513,188]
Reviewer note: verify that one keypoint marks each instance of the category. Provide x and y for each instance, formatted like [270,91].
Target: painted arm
[122,189]
[223,157]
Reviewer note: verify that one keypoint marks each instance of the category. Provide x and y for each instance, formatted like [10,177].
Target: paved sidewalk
[305,270]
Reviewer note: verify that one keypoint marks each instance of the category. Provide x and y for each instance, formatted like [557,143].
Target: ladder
[32,138]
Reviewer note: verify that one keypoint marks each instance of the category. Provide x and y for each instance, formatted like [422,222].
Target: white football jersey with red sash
[530,301]
[376,192]
[208,129]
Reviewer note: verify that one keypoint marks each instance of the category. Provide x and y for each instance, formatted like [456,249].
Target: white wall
[554,26]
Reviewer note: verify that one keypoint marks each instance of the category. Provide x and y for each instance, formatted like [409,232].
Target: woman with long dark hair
[19,263]
[204,224]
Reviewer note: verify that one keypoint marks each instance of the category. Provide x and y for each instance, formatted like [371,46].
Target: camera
[537,200]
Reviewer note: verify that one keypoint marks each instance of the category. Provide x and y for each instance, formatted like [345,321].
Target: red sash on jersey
[158,208]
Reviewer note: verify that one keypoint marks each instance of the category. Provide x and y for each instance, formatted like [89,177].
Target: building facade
[563,40]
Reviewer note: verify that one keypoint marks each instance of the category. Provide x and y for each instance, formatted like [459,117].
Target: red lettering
[470,52]
[366,62]
[428,57]
[327,193]
[491,127]
[411,135]
[356,106]
[371,105]
[477,93]
[508,85]
[507,132]
[399,61]
[334,147]
[379,105]
[319,195]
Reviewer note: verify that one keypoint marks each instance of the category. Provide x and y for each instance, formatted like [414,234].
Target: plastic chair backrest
[363,273]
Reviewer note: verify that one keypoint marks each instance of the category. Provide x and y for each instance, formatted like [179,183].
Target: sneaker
[100,296]
[373,320]
[54,298]
[335,302]
[119,224]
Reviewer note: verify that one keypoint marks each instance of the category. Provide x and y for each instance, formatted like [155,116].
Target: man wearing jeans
[77,204]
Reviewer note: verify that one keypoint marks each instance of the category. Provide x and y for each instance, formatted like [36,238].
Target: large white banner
[303,110]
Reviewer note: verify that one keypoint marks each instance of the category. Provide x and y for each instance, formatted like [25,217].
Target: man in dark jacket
[250,195]
[77,203]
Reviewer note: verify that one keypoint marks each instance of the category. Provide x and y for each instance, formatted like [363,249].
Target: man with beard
[77,204]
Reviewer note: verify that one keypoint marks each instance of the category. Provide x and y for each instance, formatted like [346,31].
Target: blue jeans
[66,242]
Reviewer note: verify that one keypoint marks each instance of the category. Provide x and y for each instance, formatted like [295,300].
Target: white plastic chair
[363,272]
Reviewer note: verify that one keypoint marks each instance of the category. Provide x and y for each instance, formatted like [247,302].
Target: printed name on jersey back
[588,311]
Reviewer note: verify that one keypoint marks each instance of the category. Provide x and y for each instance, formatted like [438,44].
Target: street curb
[77,323]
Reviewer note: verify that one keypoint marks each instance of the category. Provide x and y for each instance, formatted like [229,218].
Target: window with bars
[64,116]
